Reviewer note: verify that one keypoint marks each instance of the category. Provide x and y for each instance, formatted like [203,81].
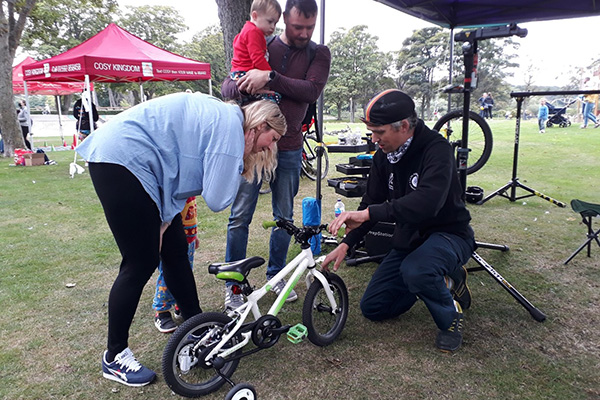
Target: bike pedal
[297,333]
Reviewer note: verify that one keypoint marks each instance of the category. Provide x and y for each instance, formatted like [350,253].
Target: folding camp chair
[587,211]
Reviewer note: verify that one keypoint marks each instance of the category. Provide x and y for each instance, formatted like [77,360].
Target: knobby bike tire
[480,137]
[198,381]
[323,326]
[309,158]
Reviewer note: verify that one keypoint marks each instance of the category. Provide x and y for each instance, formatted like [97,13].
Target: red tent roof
[45,88]
[115,55]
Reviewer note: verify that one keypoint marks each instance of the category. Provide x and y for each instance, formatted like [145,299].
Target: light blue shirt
[179,145]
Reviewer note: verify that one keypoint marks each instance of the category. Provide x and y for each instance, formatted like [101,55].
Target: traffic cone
[74,142]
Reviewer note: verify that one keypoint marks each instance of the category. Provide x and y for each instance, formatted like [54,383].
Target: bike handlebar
[269,224]
[301,235]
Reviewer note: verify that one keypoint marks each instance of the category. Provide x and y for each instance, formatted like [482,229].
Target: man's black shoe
[460,290]
[451,339]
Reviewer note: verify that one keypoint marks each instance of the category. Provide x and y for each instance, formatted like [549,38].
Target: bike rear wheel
[309,158]
[480,137]
[323,325]
[182,362]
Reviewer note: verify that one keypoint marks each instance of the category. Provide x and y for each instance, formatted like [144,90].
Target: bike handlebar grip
[269,224]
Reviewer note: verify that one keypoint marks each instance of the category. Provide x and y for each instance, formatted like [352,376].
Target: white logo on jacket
[414,181]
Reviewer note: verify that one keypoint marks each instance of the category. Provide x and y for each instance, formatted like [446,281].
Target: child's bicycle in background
[203,353]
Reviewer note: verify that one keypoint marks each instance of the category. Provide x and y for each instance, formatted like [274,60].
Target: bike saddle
[236,270]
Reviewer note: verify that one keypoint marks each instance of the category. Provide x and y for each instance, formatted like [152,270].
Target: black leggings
[25,131]
[135,223]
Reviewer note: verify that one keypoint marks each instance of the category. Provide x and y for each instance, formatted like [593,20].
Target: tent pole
[60,127]
[210,87]
[319,121]
[28,112]
[91,108]
[141,93]
[450,70]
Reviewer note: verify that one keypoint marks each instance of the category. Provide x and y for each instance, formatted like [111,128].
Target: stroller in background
[557,115]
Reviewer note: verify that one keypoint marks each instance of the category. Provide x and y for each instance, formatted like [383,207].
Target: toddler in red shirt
[250,45]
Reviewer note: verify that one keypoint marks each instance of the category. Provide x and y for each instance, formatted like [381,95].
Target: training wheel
[241,391]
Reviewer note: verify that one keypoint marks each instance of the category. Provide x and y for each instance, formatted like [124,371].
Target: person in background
[24,121]
[542,116]
[144,164]
[412,183]
[489,106]
[82,118]
[164,301]
[482,105]
[589,103]
[300,71]
[250,45]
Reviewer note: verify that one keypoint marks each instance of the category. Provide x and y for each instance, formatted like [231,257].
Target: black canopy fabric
[476,13]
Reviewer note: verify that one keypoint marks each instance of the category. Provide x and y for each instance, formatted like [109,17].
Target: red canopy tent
[115,55]
[43,88]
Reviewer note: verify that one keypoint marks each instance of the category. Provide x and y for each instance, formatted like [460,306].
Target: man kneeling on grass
[412,183]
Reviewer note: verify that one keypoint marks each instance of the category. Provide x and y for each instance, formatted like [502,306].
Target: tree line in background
[359,69]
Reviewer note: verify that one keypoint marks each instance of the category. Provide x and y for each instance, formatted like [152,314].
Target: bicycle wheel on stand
[480,137]
[309,158]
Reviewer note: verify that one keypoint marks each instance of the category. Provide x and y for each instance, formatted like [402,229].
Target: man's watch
[271,76]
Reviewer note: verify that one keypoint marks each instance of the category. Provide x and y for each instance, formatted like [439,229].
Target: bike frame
[296,268]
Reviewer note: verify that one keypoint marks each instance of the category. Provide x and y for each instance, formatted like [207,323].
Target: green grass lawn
[58,261]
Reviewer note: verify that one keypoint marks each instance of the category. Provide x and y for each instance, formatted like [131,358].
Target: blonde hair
[261,6]
[258,166]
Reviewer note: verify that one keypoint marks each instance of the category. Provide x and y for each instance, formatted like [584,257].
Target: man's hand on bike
[337,256]
[352,219]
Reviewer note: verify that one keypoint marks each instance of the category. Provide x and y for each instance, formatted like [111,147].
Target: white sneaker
[127,370]
[279,287]
[233,301]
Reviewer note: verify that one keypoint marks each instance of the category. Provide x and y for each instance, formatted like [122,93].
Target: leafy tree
[357,68]
[207,46]
[158,25]
[66,23]
[55,26]
[422,56]
[496,61]
[13,17]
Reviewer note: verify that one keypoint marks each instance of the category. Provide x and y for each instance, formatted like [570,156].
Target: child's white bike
[203,353]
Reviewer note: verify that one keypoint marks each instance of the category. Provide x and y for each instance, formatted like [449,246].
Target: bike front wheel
[325,324]
[183,363]
[480,137]
[309,158]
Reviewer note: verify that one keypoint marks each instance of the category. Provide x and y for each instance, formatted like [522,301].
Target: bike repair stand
[514,183]
[469,48]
